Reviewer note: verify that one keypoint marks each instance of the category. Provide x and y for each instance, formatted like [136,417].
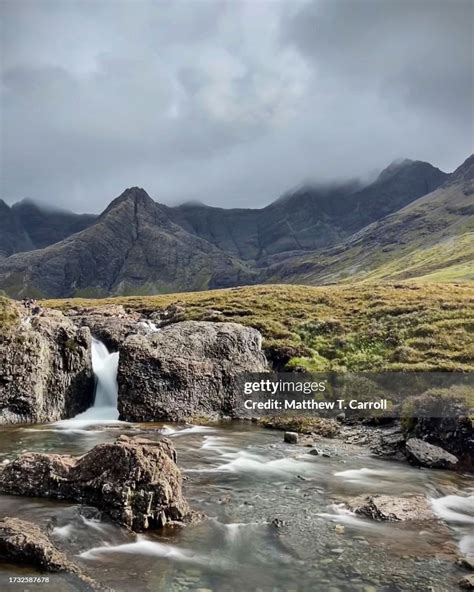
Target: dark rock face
[443,419]
[25,543]
[390,443]
[186,369]
[393,509]
[45,367]
[134,480]
[426,455]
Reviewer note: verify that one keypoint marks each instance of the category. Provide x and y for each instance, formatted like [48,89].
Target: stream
[243,478]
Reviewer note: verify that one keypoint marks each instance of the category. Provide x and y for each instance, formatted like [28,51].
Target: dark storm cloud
[231,103]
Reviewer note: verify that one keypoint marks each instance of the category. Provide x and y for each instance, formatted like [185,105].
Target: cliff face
[45,367]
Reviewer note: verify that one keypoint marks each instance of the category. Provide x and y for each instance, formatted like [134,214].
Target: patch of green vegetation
[8,313]
[355,327]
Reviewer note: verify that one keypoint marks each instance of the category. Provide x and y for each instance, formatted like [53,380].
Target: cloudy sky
[227,102]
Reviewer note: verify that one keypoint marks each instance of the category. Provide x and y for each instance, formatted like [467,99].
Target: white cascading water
[104,409]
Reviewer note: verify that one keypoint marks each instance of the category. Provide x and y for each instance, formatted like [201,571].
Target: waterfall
[105,366]
[104,408]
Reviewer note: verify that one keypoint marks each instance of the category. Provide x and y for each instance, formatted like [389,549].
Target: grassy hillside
[358,327]
[432,238]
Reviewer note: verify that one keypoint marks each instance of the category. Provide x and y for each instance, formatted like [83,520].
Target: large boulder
[185,370]
[25,543]
[134,480]
[45,366]
[392,508]
[427,455]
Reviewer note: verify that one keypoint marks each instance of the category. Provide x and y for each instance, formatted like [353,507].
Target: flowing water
[244,478]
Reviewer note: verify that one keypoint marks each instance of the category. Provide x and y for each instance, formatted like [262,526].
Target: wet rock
[134,480]
[442,417]
[277,523]
[393,509]
[427,455]
[45,367]
[390,443]
[320,452]
[25,543]
[467,562]
[290,438]
[467,582]
[186,370]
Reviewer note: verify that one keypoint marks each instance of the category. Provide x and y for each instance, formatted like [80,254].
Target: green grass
[8,314]
[358,327]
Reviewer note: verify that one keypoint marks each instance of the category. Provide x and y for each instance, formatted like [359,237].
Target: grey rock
[291,438]
[25,543]
[392,508]
[467,582]
[186,370]
[45,367]
[134,480]
[391,443]
[427,455]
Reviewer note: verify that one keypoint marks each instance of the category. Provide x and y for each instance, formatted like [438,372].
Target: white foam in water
[362,475]
[149,326]
[143,546]
[196,429]
[63,532]
[94,524]
[455,508]
[466,545]
[345,516]
[104,410]
[245,462]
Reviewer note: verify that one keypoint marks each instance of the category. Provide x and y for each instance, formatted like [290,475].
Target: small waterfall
[104,408]
[105,366]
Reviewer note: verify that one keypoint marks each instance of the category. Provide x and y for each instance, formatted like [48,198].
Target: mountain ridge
[137,245]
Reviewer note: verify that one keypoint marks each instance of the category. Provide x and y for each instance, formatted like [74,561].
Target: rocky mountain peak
[464,172]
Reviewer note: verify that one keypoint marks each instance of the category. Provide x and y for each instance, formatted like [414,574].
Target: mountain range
[413,221]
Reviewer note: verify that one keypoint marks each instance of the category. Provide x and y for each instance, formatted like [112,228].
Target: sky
[231,103]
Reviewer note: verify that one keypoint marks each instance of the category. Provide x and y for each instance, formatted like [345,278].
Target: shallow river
[243,478]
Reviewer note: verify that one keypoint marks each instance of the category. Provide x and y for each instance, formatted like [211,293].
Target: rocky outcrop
[110,323]
[186,369]
[45,367]
[391,508]
[134,480]
[25,543]
[426,455]
[442,417]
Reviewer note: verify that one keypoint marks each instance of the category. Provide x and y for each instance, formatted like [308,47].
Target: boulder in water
[134,480]
[187,369]
[427,455]
[391,508]
[25,543]
[290,438]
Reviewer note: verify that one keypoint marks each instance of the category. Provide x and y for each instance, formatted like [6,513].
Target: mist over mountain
[315,234]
